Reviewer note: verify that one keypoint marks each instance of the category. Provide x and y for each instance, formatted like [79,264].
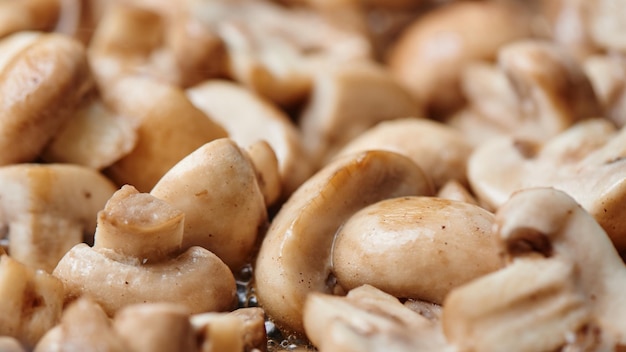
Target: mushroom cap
[294,258]
[415,247]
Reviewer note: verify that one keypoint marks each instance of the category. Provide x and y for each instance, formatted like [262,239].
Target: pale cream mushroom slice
[432,244]
[169,127]
[43,77]
[345,102]
[157,327]
[265,162]
[274,50]
[249,118]
[295,255]
[368,319]
[439,150]
[586,161]
[31,301]
[216,187]
[49,208]
[431,53]
[83,327]
[240,330]
[454,190]
[137,258]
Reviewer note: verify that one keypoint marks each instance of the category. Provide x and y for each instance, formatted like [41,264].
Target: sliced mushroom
[48,208]
[368,319]
[586,161]
[431,53]
[249,118]
[42,79]
[432,244]
[608,18]
[265,163]
[216,187]
[569,25]
[345,102]
[136,259]
[294,258]
[240,330]
[30,302]
[169,128]
[25,15]
[439,150]
[453,190]
[608,77]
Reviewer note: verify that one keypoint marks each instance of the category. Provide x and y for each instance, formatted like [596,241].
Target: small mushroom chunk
[249,118]
[10,344]
[240,330]
[83,327]
[431,53]
[265,163]
[25,15]
[216,187]
[155,327]
[169,127]
[440,151]
[453,190]
[136,258]
[48,208]
[368,320]
[587,161]
[432,244]
[345,102]
[43,77]
[295,256]
[31,302]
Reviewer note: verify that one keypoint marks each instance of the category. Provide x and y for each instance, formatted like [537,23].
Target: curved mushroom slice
[586,161]
[368,319]
[248,119]
[432,244]
[136,259]
[453,190]
[26,15]
[216,187]
[345,102]
[48,208]
[169,127]
[240,330]
[439,150]
[42,79]
[294,258]
[30,302]
[431,53]
[274,51]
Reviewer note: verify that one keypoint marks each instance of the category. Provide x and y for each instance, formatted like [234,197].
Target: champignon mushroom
[28,15]
[240,330]
[169,128]
[431,53]
[249,118]
[265,163]
[43,77]
[432,244]
[136,259]
[440,151]
[31,301]
[294,258]
[216,187]
[345,102]
[586,161]
[48,208]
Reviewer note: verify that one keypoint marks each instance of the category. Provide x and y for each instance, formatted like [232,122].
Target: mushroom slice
[30,302]
[368,320]
[453,190]
[348,100]
[136,259]
[586,161]
[42,79]
[249,118]
[216,187]
[432,244]
[48,208]
[240,330]
[294,258]
[432,52]
[28,15]
[265,163]
[169,127]
[608,77]
[607,20]
[439,150]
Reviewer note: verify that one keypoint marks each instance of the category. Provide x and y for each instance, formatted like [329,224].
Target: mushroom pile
[312,175]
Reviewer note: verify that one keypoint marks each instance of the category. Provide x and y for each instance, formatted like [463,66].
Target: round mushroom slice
[136,258]
[248,118]
[294,258]
[432,244]
[49,208]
